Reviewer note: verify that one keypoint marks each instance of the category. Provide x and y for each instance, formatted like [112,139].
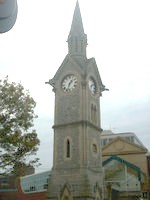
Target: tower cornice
[81,122]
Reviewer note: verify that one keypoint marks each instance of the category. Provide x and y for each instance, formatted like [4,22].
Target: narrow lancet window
[68,148]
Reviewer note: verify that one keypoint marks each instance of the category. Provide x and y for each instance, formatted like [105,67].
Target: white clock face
[69,83]
[92,86]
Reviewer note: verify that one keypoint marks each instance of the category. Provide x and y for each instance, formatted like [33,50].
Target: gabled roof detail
[67,59]
[120,145]
[92,66]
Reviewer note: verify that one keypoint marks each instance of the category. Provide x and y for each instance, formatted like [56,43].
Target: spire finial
[77,25]
[77,39]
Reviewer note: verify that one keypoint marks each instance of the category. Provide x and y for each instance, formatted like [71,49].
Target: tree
[18,141]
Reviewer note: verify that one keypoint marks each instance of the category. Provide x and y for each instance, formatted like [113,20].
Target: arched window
[94,113]
[68,149]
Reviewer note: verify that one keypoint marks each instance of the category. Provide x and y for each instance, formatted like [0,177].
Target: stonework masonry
[77,164]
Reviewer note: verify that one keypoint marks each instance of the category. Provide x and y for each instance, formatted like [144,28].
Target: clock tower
[77,164]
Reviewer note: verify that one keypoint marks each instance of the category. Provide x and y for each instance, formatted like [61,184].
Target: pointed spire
[77,39]
[77,25]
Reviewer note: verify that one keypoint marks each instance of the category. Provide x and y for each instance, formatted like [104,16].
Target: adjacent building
[33,187]
[128,148]
[107,136]
[8,187]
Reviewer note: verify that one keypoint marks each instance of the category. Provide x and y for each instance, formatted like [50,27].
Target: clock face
[92,86]
[69,83]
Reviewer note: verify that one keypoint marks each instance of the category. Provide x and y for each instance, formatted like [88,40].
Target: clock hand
[69,84]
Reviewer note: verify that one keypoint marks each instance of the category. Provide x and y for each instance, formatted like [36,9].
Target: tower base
[78,185]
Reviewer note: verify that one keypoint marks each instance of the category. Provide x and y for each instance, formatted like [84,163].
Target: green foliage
[18,141]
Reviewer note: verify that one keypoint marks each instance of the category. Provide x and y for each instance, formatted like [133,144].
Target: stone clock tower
[77,167]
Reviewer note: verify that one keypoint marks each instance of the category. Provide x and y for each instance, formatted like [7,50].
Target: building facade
[8,187]
[129,148]
[33,187]
[77,164]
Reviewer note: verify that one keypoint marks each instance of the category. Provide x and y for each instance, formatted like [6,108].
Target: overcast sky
[118,34]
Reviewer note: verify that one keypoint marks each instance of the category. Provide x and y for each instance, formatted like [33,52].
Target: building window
[94,148]
[104,142]
[93,113]
[32,188]
[68,149]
